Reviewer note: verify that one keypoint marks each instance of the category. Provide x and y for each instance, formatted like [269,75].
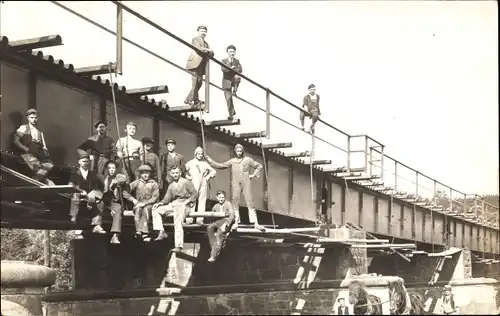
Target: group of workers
[196,66]
[114,175]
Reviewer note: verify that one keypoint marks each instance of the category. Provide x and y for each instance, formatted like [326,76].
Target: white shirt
[313,97]
[84,173]
[130,146]
[36,135]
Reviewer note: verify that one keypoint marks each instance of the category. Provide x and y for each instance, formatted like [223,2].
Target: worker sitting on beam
[115,190]
[146,192]
[240,171]
[91,192]
[219,230]
[199,172]
[178,201]
[31,142]
[310,105]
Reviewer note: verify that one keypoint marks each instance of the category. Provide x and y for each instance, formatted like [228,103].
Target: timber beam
[184,108]
[223,122]
[251,135]
[148,90]
[277,145]
[349,174]
[297,155]
[361,178]
[320,162]
[36,43]
[343,169]
[95,70]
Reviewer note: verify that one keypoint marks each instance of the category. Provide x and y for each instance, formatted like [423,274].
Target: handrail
[148,21]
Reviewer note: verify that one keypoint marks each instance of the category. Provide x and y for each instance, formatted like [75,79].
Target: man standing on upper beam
[310,105]
[230,79]
[196,65]
[240,170]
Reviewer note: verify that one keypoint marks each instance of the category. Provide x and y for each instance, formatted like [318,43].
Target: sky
[421,77]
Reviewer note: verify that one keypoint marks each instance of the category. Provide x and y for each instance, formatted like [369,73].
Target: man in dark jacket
[230,79]
[91,192]
[310,105]
[100,147]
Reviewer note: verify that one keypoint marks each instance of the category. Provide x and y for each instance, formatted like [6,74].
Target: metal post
[46,248]
[435,192]
[268,114]
[348,153]
[395,176]
[366,152]
[371,161]
[451,200]
[207,87]
[465,205]
[119,39]
[483,205]
[432,216]
[416,184]
[382,161]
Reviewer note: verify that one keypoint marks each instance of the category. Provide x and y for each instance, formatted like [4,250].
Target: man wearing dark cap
[91,192]
[33,149]
[196,65]
[129,150]
[100,148]
[230,78]
[310,105]
[170,160]
[150,158]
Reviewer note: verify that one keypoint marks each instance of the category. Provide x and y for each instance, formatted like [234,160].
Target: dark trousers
[96,209]
[98,164]
[141,218]
[129,167]
[217,237]
[313,114]
[228,94]
[196,82]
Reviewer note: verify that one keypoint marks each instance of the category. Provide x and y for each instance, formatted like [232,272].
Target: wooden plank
[297,155]
[251,135]
[343,169]
[276,145]
[95,70]
[320,162]
[148,90]
[36,43]
[277,231]
[223,122]
[361,178]
[391,246]
[35,193]
[184,108]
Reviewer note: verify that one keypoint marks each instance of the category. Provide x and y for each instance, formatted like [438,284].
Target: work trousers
[202,184]
[216,236]
[141,218]
[129,166]
[96,208]
[98,163]
[116,210]
[179,212]
[228,94]
[39,166]
[196,82]
[245,187]
[313,114]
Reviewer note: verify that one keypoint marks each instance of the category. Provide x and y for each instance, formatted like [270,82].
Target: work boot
[73,219]
[199,222]
[114,239]
[211,259]
[98,230]
[161,235]
[146,238]
[177,249]
[259,227]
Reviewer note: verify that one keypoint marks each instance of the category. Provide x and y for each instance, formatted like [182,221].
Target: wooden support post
[119,39]
[148,90]
[36,43]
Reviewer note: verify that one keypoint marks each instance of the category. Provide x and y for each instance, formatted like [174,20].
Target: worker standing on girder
[100,147]
[91,192]
[31,142]
[240,171]
[168,161]
[115,191]
[310,105]
[196,65]
[146,192]
[199,172]
[152,159]
[219,230]
[178,200]
[129,150]
[230,79]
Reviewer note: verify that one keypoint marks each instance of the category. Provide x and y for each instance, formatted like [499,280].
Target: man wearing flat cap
[91,188]
[146,193]
[448,304]
[129,150]
[170,160]
[230,79]
[100,148]
[310,106]
[150,158]
[196,64]
[241,167]
[33,149]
